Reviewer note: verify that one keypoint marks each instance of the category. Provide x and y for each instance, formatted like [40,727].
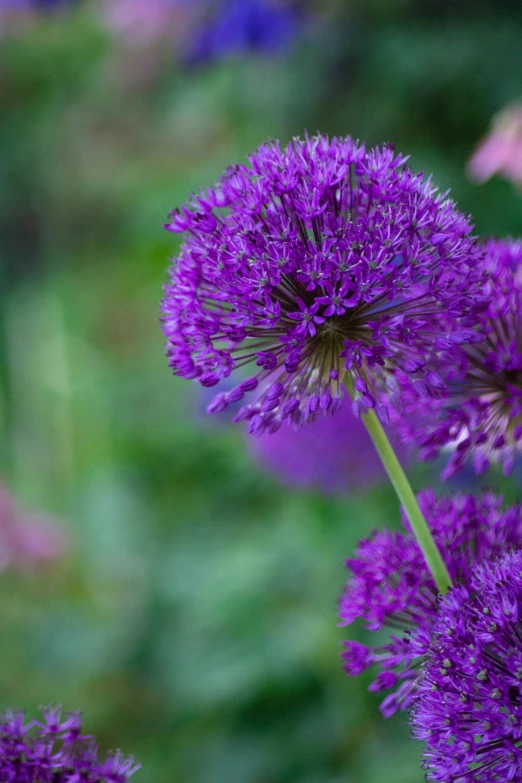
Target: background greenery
[194,618]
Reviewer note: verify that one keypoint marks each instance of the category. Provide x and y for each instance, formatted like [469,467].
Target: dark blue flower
[237,26]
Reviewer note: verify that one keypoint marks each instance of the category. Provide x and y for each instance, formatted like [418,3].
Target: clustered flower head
[312,262]
[54,750]
[469,710]
[482,417]
[335,454]
[390,584]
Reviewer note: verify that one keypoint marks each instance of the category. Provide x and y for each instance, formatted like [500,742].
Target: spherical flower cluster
[312,262]
[482,416]
[391,586]
[334,454]
[55,751]
[469,710]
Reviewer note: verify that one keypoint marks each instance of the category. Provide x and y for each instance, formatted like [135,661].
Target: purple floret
[312,262]
[469,710]
[391,586]
[481,420]
[55,751]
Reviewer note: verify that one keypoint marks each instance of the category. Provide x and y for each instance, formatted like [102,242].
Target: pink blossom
[27,540]
[500,152]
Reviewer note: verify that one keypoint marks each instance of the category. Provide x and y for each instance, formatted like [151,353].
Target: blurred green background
[193,619]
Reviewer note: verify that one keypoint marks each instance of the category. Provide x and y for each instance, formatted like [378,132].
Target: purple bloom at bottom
[55,751]
[335,453]
[316,264]
[391,586]
[469,710]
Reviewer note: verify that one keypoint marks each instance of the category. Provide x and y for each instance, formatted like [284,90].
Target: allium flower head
[27,540]
[54,751]
[482,416]
[16,12]
[469,710]
[312,261]
[334,454]
[390,584]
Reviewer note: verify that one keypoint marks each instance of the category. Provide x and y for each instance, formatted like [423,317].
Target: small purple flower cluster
[391,585]
[316,262]
[55,751]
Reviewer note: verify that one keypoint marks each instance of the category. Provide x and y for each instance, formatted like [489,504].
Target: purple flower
[482,416]
[391,586]
[313,261]
[55,751]
[469,710]
[334,453]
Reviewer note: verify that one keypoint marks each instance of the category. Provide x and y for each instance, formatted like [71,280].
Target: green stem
[406,497]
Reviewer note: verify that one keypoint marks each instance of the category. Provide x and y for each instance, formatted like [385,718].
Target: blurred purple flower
[236,26]
[27,540]
[313,263]
[500,152]
[334,453]
[55,751]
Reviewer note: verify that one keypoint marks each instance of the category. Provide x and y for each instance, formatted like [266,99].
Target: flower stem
[406,496]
